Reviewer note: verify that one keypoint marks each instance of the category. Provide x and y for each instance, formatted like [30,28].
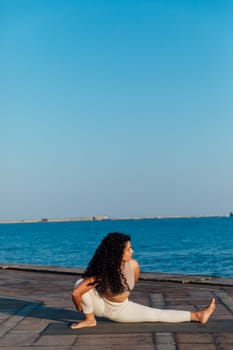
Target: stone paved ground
[32,299]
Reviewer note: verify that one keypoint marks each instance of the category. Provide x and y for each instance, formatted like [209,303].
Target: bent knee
[75,293]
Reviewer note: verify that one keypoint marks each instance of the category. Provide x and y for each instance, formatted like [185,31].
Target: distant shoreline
[101,218]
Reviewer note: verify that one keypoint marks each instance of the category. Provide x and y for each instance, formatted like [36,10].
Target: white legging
[128,311]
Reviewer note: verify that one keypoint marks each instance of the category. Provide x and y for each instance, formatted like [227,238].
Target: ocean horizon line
[105,217]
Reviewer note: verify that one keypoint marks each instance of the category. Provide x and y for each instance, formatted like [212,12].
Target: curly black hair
[106,263]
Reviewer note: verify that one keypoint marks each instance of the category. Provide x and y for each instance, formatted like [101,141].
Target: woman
[106,285]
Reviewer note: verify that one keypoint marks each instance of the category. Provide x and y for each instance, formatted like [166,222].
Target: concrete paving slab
[49,340]
[22,320]
[194,338]
[137,341]
[18,316]
[199,346]
[19,338]
[165,347]
[104,345]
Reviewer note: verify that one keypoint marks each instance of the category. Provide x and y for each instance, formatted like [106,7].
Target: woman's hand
[83,287]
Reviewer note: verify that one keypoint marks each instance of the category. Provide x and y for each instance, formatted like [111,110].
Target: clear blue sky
[118,108]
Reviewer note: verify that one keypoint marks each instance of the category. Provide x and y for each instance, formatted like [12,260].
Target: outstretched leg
[203,316]
[129,311]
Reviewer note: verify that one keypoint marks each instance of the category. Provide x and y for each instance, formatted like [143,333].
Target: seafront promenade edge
[105,217]
[36,310]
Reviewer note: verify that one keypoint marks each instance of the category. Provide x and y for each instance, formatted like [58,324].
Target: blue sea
[202,246]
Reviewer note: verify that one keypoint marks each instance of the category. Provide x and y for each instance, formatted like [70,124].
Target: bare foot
[204,315]
[82,324]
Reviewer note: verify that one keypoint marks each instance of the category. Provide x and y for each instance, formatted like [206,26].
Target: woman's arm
[136,269]
[81,289]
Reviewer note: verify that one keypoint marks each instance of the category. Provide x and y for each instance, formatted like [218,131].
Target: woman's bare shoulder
[134,263]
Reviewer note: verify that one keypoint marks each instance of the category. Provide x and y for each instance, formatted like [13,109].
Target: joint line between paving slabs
[162,341]
[11,322]
[225,298]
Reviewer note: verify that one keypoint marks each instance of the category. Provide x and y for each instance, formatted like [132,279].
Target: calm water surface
[201,246]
